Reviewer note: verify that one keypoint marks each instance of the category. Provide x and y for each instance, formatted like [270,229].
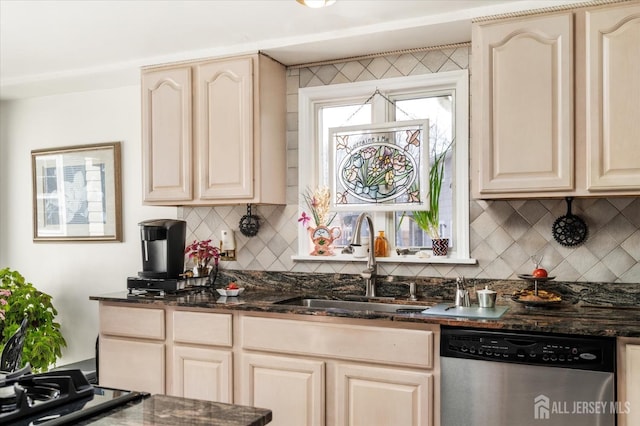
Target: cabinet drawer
[135,365]
[344,341]
[132,322]
[202,328]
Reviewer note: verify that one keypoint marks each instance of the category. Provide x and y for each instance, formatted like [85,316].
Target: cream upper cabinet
[214,132]
[166,135]
[225,128]
[522,97]
[533,136]
[609,77]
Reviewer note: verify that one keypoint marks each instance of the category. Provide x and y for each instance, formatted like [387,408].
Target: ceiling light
[316,3]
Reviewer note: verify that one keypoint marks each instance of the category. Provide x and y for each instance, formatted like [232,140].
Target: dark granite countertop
[172,410]
[566,318]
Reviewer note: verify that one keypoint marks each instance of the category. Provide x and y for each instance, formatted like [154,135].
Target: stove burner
[62,397]
[31,394]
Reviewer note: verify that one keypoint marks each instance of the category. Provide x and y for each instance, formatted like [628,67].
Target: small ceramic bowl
[230,292]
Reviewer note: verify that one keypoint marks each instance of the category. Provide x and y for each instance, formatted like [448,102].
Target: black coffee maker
[163,242]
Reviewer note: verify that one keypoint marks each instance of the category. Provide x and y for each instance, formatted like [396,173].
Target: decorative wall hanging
[77,193]
[249,223]
[380,166]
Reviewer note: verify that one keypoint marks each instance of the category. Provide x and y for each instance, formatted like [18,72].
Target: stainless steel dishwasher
[493,378]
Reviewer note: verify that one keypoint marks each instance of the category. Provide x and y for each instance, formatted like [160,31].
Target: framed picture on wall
[77,193]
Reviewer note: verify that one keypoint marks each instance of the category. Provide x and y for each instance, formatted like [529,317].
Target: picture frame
[77,193]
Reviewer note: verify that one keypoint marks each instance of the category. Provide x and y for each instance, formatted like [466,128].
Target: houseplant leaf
[43,340]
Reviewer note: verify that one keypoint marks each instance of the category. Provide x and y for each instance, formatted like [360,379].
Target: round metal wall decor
[249,223]
[569,230]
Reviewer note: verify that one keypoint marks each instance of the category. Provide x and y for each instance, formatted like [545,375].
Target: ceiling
[49,47]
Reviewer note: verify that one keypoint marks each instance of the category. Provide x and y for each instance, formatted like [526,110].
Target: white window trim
[308,154]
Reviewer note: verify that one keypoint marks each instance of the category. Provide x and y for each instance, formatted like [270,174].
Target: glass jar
[381,245]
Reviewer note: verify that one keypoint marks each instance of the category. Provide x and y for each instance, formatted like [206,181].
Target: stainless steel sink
[350,305]
[437,310]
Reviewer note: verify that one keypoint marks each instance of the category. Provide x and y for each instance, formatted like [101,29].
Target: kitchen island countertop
[171,410]
[566,318]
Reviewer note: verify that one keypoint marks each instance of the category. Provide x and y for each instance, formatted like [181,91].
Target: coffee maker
[162,242]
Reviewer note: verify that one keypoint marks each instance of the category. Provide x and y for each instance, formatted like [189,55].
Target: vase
[322,238]
[201,271]
[440,246]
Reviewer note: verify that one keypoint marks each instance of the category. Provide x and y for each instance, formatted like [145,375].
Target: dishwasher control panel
[593,353]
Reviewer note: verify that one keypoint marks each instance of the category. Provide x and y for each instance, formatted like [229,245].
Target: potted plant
[201,253]
[322,236]
[43,341]
[429,220]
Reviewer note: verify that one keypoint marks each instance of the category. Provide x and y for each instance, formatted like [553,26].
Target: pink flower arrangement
[201,253]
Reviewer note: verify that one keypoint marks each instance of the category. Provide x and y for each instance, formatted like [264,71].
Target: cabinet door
[383,396]
[522,85]
[628,381]
[612,96]
[292,388]
[166,135]
[225,128]
[132,365]
[202,373]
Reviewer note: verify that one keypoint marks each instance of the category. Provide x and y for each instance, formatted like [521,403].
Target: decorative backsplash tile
[503,234]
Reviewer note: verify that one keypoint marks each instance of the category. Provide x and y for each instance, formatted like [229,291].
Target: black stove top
[57,398]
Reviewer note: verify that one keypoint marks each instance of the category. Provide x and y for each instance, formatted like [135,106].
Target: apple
[540,273]
[234,286]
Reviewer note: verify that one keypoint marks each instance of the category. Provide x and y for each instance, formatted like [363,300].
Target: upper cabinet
[533,134]
[608,119]
[213,132]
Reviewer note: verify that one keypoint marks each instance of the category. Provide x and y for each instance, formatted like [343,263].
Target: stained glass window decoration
[382,167]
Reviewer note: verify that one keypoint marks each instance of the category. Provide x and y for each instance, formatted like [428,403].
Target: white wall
[71,272]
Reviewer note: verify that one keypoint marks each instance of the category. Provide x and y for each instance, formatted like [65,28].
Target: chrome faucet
[371,272]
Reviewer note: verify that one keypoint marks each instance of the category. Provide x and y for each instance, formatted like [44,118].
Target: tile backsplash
[503,234]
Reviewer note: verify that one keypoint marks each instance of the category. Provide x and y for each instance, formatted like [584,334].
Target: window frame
[454,82]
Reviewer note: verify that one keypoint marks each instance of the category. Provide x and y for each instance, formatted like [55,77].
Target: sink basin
[349,305]
[438,310]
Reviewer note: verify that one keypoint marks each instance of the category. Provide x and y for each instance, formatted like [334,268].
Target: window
[440,98]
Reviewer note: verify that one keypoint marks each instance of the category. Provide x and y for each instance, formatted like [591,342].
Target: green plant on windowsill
[43,341]
[429,220]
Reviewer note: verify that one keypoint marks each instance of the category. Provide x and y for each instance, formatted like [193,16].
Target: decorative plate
[532,278]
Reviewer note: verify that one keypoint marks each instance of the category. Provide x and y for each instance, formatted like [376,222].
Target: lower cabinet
[132,348]
[202,373]
[339,371]
[166,350]
[629,381]
[294,389]
[201,359]
[309,371]
[132,365]
[368,395]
